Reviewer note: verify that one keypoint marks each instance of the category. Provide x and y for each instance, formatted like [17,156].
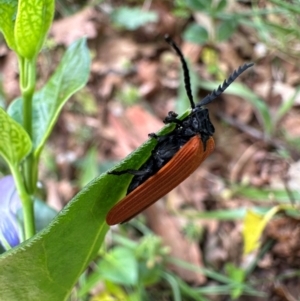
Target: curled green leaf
[71,75]
[8,11]
[15,143]
[33,21]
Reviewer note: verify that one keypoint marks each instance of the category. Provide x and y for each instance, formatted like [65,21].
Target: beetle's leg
[158,138]
[171,118]
[153,135]
[142,172]
[127,171]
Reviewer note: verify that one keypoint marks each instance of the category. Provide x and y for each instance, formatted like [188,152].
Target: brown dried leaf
[169,230]
[10,80]
[69,29]
[286,91]
[147,74]
[286,231]
[282,292]
[53,198]
[132,129]
[239,109]
[113,53]
[291,124]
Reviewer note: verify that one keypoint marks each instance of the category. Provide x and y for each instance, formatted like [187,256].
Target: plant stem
[26,183]
[27,84]
[27,203]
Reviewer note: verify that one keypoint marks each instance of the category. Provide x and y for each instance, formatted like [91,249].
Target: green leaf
[221,6]
[225,214]
[8,11]
[200,5]
[196,34]
[238,275]
[15,143]
[52,261]
[87,174]
[120,266]
[71,75]
[43,214]
[32,24]
[225,29]
[265,195]
[292,7]
[132,17]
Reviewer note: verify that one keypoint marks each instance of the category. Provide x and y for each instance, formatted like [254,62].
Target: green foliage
[69,243]
[148,266]
[54,258]
[228,284]
[73,238]
[198,5]
[180,9]
[221,24]
[264,195]
[87,174]
[25,24]
[70,76]
[132,265]
[32,24]
[238,275]
[15,143]
[129,95]
[196,33]
[278,26]
[8,11]
[119,266]
[132,18]
[225,29]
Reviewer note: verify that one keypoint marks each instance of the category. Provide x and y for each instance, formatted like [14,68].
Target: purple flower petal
[10,203]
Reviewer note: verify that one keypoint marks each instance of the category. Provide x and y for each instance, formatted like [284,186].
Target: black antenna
[186,74]
[215,93]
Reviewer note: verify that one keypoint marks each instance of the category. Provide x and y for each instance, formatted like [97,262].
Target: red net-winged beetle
[176,155]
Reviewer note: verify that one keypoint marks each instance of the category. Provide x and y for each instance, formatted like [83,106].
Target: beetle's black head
[201,124]
[197,122]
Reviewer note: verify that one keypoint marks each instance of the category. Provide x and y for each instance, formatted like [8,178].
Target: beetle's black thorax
[197,123]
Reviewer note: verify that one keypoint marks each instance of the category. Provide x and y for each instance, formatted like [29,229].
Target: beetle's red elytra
[176,154]
[180,167]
